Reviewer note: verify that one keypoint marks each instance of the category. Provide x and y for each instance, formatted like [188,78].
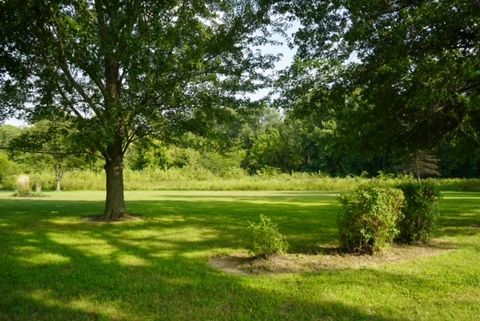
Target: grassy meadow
[56,266]
[236,180]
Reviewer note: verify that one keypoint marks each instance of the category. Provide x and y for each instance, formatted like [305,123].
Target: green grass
[54,266]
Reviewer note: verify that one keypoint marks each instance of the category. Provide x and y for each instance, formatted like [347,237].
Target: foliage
[407,73]
[277,147]
[47,146]
[300,146]
[367,220]
[265,239]
[7,133]
[459,156]
[8,169]
[191,152]
[420,212]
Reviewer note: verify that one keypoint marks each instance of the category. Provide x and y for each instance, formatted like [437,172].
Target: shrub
[265,239]
[419,212]
[23,185]
[367,220]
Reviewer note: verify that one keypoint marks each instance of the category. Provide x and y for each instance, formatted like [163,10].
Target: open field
[56,266]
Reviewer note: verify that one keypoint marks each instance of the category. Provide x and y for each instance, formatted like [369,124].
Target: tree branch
[32,151]
[70,104]
[66,71]
[133,137]
[78,88]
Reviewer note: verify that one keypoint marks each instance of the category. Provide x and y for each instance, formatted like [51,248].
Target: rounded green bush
[367,220]
[420,211]
[265,239]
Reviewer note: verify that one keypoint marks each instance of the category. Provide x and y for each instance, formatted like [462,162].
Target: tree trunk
[58,178]
[417,167]
[115,201]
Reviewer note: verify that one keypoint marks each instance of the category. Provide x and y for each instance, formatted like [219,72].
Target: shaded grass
[55,266]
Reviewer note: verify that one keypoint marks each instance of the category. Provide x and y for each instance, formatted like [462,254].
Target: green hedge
[419,212]
[368,217]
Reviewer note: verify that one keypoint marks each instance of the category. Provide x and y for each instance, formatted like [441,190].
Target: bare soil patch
[331,259]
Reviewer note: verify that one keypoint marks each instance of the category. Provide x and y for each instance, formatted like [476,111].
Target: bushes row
[372,217]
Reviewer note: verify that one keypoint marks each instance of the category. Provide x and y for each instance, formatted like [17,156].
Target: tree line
[268,143]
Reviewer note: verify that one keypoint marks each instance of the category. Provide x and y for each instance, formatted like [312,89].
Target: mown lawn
[55,266]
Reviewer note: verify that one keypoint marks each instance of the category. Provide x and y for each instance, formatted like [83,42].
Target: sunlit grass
[56,266]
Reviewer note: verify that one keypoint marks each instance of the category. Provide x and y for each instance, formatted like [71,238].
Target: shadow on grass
[459,215]
[87,286]
[305,226]
[54,266]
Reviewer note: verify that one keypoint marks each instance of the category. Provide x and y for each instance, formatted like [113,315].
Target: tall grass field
[237,180]
[55,265]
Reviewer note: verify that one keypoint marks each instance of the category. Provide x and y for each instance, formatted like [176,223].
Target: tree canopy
[410,69]
[118,70]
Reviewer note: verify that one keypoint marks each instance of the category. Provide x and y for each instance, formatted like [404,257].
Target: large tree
[410,69]
[119,69]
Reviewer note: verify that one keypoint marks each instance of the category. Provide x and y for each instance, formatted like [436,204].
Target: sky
[286,56]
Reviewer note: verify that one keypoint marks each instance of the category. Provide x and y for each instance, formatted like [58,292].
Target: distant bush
[23,185]
[265,239]
[419,212]
[367,220]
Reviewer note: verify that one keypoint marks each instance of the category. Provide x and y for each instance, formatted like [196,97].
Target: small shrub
[265,239]
[419,212]
[23,185]
[367,220]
